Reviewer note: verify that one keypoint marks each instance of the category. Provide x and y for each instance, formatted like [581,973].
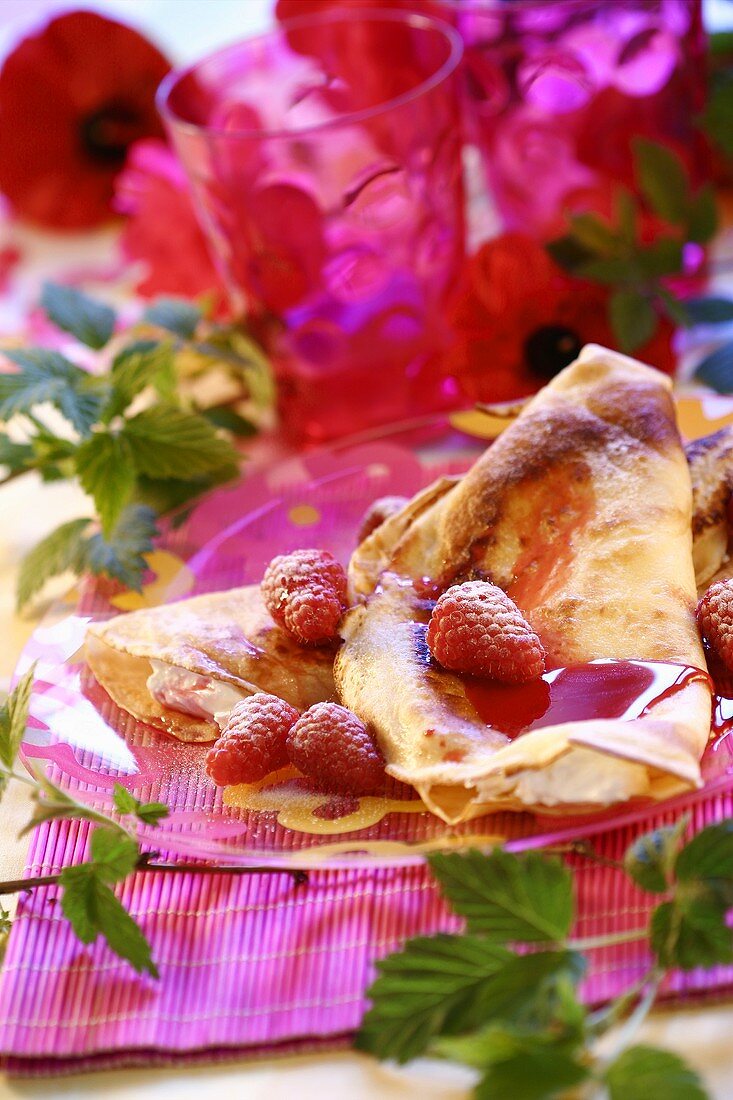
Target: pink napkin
[255,964]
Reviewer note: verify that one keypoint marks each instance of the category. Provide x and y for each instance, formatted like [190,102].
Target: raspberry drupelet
[333,746]
[305,593]
[715,622]
[476,628]
[254,741]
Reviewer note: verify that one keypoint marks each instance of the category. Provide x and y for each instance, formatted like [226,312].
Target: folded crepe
[710,460]
[581,511]
[182,667]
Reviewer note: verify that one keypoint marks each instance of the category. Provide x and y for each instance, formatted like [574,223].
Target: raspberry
[331,745]
[378,511]
[715,622]
[476,628]
[305,592]
[253,743]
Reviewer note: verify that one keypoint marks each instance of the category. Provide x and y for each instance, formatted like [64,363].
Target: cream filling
[578,776]
[190,693]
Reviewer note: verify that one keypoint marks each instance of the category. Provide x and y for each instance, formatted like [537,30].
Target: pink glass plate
[317,499]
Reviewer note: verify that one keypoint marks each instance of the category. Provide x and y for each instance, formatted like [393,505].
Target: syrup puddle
[601,689]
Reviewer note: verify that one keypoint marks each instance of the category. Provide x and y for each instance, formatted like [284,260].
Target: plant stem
[629,1029]
[146,864]
[589,943]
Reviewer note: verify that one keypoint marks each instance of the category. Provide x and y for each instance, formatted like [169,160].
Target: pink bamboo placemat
[255,965]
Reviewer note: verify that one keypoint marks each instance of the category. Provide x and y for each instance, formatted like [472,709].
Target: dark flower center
[107,132]
[550,348]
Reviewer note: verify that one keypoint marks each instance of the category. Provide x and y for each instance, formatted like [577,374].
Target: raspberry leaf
[531,1069]
[141,364]
[691,931]
[104,465]
[150,813]
[650,860]
[505,898]
[13,721]
[177,315]
[223,416]
[708,857]
[445,984]
[114,853]
[166,442]
[643,1072]
[122,554]
[90,321]
[48,376]
[64,549]
[93,910]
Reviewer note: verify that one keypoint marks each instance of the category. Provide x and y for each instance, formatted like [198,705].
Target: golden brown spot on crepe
[640,409]
[546,453]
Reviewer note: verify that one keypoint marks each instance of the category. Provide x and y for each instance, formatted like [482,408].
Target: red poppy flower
[72,99]
[518,320]
[161,230]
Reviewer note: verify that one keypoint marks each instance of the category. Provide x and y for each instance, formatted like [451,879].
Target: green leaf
[167,442]
[148,812]
[121,555]
[442,985]
[672,306]
[17,456]
[662,257]
[593,233]
[716,369]
[691,932]
[49,376]
[175,314]
[707,859]
[633,319]
[505,897]
[610,271]
[166,494]
[709,310]
[534,1071]
[568,253]
[92,909]
[703,215]
[434,984]
[106,471]
[223,416]
[78,901]
[64,549]
[141,364]
[662,179]
[719,111]
[14,718]
[114,853]
[6,923]
[649,861]
[627,216]
[645,1073]
[90,321]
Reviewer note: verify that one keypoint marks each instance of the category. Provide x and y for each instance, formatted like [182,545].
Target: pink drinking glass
[555,93]
[325,159]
